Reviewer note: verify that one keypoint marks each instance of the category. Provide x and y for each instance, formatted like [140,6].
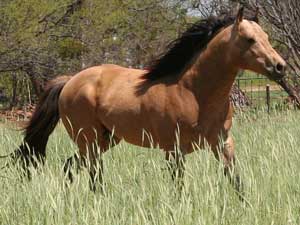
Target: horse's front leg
[176,165]
[226,153]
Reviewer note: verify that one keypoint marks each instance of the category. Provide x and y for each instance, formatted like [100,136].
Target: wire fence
[261,91]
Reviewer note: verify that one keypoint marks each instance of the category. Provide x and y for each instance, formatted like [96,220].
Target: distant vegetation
[40,39]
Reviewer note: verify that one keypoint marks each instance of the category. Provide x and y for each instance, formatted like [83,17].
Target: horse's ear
[256,19]
[240,15]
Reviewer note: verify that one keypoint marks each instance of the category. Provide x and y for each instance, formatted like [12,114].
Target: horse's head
[253,49]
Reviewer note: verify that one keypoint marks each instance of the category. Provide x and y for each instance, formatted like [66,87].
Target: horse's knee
[228,150]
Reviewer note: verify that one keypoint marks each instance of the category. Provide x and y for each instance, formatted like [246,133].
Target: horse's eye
[251,40]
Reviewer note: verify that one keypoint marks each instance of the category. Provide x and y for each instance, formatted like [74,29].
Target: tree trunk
[35,81]
[13,100]
[292,92]
[238,98]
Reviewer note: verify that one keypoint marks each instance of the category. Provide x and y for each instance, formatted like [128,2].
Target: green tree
[29,30]
[40,39]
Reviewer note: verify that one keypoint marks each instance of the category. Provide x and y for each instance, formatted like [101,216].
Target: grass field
[139,189]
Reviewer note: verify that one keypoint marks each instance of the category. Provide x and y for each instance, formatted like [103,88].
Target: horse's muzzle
[277,72]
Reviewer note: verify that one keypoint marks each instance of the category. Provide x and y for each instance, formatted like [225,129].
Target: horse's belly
[138,131]
[150,130]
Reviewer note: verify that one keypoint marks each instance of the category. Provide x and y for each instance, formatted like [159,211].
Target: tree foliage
[40,39]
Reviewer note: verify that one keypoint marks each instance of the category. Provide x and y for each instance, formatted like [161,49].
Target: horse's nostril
[279,67]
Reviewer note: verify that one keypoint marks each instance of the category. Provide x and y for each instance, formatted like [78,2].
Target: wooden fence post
[268,97]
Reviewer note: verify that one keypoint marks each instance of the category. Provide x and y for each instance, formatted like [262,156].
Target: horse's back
[98,78]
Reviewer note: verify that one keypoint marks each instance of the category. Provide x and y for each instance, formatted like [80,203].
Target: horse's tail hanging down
[41,125]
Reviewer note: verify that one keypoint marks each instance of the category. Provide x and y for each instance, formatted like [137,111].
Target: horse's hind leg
[92,143]
[176,165]
[92,157]
[70,162]
[91,163]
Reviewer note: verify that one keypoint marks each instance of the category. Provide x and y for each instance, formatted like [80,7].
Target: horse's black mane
[182,50]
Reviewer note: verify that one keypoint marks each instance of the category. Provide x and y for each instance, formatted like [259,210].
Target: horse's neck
[211,77]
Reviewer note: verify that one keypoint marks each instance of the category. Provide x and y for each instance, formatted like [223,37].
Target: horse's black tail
[41,125]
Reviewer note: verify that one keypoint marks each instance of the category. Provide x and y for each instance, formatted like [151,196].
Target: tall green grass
[139,190]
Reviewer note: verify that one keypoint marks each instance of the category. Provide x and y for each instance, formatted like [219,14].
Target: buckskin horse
[186,90]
